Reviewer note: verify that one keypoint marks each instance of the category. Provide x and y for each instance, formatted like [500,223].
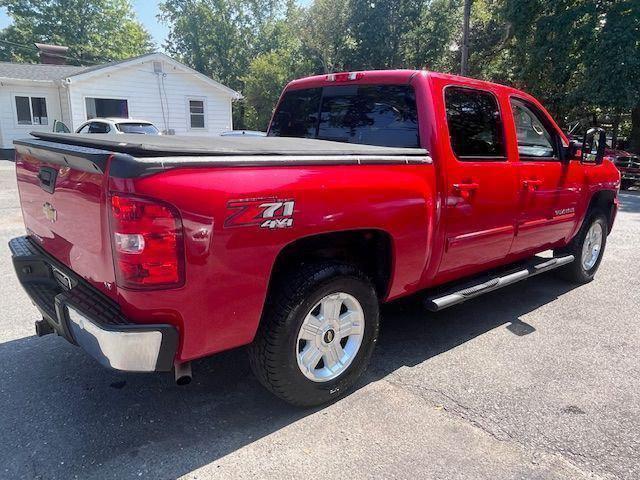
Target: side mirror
[593,146]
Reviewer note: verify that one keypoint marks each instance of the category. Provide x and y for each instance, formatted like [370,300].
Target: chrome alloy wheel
[592,246]
[330,337]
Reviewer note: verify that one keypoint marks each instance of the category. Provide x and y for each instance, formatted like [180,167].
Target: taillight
[345,76]
[148,248]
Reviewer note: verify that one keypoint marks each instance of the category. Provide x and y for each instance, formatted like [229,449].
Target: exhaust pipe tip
[182,373]
[43,328]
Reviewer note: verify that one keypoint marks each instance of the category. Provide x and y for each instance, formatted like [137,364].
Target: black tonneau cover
[168,145]
[138,155]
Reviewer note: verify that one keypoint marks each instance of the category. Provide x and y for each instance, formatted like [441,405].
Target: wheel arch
[371,250]
[605,201]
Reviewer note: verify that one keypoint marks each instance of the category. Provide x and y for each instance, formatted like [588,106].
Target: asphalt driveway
[540,380]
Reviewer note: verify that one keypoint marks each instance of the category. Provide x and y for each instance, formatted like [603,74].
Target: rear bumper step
[85,317]
[472,289]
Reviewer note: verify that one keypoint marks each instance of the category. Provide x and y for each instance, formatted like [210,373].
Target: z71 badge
[263,212]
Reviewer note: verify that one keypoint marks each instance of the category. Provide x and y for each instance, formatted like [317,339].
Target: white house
[154,87]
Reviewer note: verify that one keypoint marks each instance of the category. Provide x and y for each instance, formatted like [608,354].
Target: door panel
[549,190]
[481,200]
[479,223]
[547,208]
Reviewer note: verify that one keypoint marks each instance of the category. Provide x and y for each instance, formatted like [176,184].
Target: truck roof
[391,77]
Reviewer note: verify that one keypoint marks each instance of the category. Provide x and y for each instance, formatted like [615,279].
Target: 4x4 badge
[268,213]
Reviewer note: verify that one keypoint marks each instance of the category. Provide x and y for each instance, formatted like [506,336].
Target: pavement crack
[456,408]
[450,404]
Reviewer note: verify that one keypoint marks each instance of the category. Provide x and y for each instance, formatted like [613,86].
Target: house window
[31,110]
[196,113]
[106,107]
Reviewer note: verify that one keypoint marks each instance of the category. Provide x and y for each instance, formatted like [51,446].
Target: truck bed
[139,155]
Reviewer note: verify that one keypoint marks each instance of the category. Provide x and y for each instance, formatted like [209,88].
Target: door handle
[465,189]
[531,185]
[465,186]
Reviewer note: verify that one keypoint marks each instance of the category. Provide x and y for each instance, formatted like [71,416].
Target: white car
[118,126]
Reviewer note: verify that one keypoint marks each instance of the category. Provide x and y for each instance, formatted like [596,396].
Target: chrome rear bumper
[85,317]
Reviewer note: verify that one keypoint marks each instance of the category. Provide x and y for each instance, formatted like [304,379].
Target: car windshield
[383,115]
[138,127]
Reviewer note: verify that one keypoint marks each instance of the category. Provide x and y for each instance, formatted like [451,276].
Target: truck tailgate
[63,206]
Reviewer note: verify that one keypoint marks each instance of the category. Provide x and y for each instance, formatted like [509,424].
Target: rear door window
[475,125]
[384,115]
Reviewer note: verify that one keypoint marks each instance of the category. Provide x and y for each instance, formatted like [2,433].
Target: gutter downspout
[66,83]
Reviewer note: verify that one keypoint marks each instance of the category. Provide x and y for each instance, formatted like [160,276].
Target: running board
[471,290]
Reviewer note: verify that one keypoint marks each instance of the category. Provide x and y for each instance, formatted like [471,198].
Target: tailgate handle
[47,177]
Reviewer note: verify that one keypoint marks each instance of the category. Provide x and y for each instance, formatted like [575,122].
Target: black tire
[575,271]
[272,354]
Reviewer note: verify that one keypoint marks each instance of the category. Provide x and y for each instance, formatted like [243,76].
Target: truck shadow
[62,415]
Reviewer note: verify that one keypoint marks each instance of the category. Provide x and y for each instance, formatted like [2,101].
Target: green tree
[284,59]
[433,42]
[325,34]
[580,57]
[612,59]
[546,50]
[218,37]
[378,30]
[268,73]
[95,31]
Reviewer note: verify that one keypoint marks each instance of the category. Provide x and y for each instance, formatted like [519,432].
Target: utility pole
[464,64]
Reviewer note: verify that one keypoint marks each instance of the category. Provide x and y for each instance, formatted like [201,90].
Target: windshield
[141,128]
[383,115]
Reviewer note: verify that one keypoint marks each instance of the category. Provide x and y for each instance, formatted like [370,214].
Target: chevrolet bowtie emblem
[50,212]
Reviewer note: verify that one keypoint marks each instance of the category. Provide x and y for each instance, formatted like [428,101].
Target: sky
[146,11]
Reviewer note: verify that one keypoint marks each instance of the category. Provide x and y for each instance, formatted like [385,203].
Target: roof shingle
[37,71]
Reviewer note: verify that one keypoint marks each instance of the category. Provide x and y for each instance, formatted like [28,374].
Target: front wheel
[317,335]
[587,247]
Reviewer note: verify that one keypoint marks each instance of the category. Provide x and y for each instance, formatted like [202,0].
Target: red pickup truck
[150,252]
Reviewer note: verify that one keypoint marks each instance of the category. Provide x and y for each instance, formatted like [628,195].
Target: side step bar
[471,290]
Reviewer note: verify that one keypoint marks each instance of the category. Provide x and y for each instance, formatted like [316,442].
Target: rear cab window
[383,115]
[475,124]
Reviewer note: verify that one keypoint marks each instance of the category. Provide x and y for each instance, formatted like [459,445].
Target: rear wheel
[587,247]
[317,335]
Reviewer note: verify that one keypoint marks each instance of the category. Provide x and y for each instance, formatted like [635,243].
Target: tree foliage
[580,57]
[95,31]
[219,37]
[286,59]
